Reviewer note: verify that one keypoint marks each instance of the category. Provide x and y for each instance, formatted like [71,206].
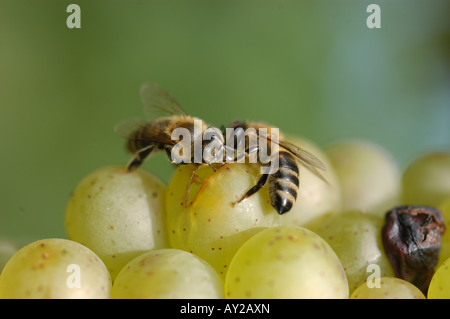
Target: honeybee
[145,137]
[284,182]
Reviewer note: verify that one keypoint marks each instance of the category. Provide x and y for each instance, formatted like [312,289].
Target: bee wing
[127,127]
[158,102]
[303,155]
[309,160]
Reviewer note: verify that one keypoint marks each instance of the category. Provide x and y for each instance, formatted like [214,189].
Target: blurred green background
[311,68]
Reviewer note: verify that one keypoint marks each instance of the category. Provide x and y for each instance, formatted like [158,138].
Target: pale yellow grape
[315,197]
[55,268]
[168,274]
[209,225]
[286,262]
[439,287]
[426,181]
[387,288]
[444,207]
[356,238]
[369,176]
[118,215]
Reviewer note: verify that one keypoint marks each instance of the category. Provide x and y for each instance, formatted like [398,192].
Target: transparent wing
[127,127]
[158,102]
[303,155]
[309,160]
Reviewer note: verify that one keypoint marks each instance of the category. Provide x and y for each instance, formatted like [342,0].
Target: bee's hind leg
[261,182]
[139,157]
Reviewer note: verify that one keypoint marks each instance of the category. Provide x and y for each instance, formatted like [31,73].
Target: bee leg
[261,182]
[139,157]
[189,186]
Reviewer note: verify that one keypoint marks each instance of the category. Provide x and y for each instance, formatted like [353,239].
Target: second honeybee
[285,181]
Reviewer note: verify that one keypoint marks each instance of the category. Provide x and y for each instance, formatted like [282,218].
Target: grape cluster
[132,236]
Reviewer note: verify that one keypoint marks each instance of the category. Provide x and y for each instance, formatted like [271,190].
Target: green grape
[118,215]
[167,274]
[426,181]
[315,197]
[55,268]
[356,238]
[387,288]
[368,175]
[285,262]
[439,287]
[207,224]
[444,207]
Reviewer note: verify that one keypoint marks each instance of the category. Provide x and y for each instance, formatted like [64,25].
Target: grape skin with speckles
[285,262]
[118,215]
[389,288]
[209,225]
[45,269]
[356,238]
[439,287]
[167,274]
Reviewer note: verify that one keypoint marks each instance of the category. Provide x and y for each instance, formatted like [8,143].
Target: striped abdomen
[283,185]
